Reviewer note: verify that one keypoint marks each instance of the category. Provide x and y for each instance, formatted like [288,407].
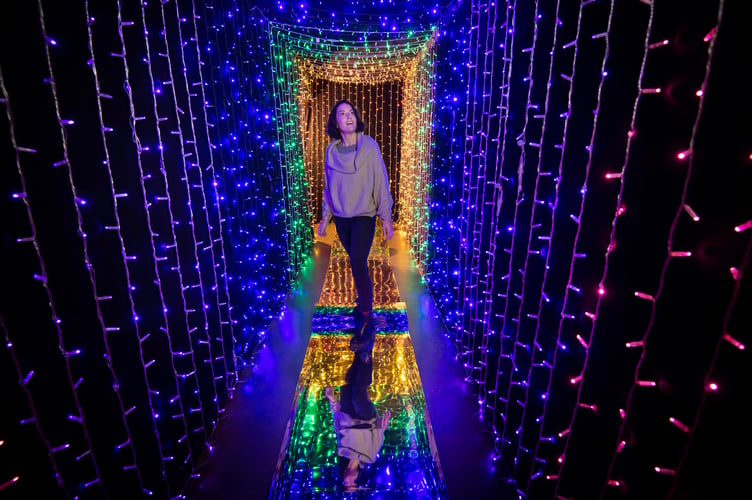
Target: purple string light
[187,349]
[117,227]
[667,262]
[549,238]
[203,331]
[227,323]
[106,330]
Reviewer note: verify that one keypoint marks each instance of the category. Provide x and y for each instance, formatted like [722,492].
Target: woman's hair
[331,125]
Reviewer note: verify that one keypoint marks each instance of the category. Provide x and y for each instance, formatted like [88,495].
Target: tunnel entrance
[380,107]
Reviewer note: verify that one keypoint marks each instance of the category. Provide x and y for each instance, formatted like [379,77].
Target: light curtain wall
[586,243]
[145,247]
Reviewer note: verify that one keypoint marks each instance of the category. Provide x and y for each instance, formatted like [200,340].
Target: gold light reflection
[395,371]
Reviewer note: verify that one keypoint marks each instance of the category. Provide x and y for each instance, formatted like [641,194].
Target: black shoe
[357,317]
[364,336]
[365,356]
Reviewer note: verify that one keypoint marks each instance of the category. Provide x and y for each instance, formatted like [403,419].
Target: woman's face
[346,120]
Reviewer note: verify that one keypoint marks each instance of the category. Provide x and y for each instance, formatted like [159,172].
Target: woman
[356,190]
[359,427]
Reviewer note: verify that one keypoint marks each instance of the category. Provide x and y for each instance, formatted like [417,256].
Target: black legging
[353,396]
[356,235]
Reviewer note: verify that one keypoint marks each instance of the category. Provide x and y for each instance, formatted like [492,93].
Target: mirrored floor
[359,427]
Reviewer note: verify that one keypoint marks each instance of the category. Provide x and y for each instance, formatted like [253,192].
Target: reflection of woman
[356,190]
[360,429]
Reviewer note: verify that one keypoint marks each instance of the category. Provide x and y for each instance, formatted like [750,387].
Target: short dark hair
[331,125]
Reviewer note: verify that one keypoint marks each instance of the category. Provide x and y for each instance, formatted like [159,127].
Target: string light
[505,221]
[203,186]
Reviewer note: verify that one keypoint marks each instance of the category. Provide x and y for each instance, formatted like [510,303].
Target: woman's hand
[322,228]
[386,229]
[333,403]
[383,421]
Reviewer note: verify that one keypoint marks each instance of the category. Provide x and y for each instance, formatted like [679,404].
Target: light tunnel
[563,313]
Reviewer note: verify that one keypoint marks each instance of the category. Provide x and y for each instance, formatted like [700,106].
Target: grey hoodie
[356,182]
[358,439]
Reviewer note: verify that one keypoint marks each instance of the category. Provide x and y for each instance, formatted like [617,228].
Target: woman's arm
[381,195]
[326,211]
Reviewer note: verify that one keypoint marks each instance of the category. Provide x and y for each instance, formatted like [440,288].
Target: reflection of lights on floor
[406,460]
